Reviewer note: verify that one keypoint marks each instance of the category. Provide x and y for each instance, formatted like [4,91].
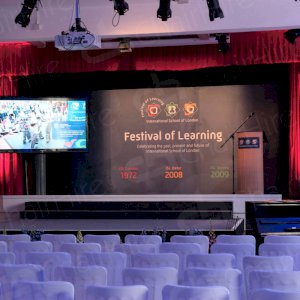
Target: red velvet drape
[11,174]
[15,61]
[294,135]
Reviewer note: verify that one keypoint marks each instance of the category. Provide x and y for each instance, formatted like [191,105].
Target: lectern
[250,169]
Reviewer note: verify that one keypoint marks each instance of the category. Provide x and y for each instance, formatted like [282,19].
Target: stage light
[164,11]
[214,9]
[121,6]
[291,35]
[124,46]
[222,39]
[23,18]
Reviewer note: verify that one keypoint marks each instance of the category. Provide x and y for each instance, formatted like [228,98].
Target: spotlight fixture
[214,9]
[124,46]
[23,18]
[291,35]
[222,39]
[121,6]
[164,11]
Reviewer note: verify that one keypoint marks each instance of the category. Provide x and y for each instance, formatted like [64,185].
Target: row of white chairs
[65,291]
[154,280]
[109,241]
[238,250]
[60,290]
[75,250]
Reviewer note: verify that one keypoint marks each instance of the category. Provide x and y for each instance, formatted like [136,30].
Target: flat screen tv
[43,124]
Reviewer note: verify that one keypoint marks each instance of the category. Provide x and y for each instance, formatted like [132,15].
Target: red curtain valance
[245,49]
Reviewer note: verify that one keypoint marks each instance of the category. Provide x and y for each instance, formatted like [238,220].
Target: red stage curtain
[16,59]
[294,136]
[11,173]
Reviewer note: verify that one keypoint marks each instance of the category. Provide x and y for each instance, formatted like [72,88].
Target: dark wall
[65,170]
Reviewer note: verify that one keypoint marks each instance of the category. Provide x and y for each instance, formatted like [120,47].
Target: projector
[77,40]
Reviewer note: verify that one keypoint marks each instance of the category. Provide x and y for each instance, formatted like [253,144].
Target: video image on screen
[43,124]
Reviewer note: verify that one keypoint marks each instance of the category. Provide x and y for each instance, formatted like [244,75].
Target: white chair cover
[153,278]
[106,241]
[136,292]
[81,277]
[10,239]
[10,274]
[238,250]
[282,239]
[229,278]
[58,239]
[179,292]
[236,239]
[50,290]
[114,262]
[130,249]
[198,239]
[49,261]
[79,248]
[265,263]
[267,294]
[7,258]
[155,260]
[282,249]
[22,248]
[213,260]
[143,239]
[3,247]
[278,280]
[182,250]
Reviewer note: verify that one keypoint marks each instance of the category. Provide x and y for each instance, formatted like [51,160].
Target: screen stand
[40,173]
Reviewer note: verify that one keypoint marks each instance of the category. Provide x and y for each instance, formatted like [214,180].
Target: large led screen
[43,124]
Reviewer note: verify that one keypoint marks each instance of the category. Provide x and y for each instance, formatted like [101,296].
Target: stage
[13,206]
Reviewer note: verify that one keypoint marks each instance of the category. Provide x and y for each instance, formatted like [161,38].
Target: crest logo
[190,109]
[172,109]
[151,107]
[153,110]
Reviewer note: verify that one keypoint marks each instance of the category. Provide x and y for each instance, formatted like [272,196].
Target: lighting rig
[164,11]
[23,18]
[121,6]
[214,9]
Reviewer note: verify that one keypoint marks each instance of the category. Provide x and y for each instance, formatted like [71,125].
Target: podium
[250,170]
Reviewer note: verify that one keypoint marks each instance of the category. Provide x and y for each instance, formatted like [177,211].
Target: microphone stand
[232,137]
